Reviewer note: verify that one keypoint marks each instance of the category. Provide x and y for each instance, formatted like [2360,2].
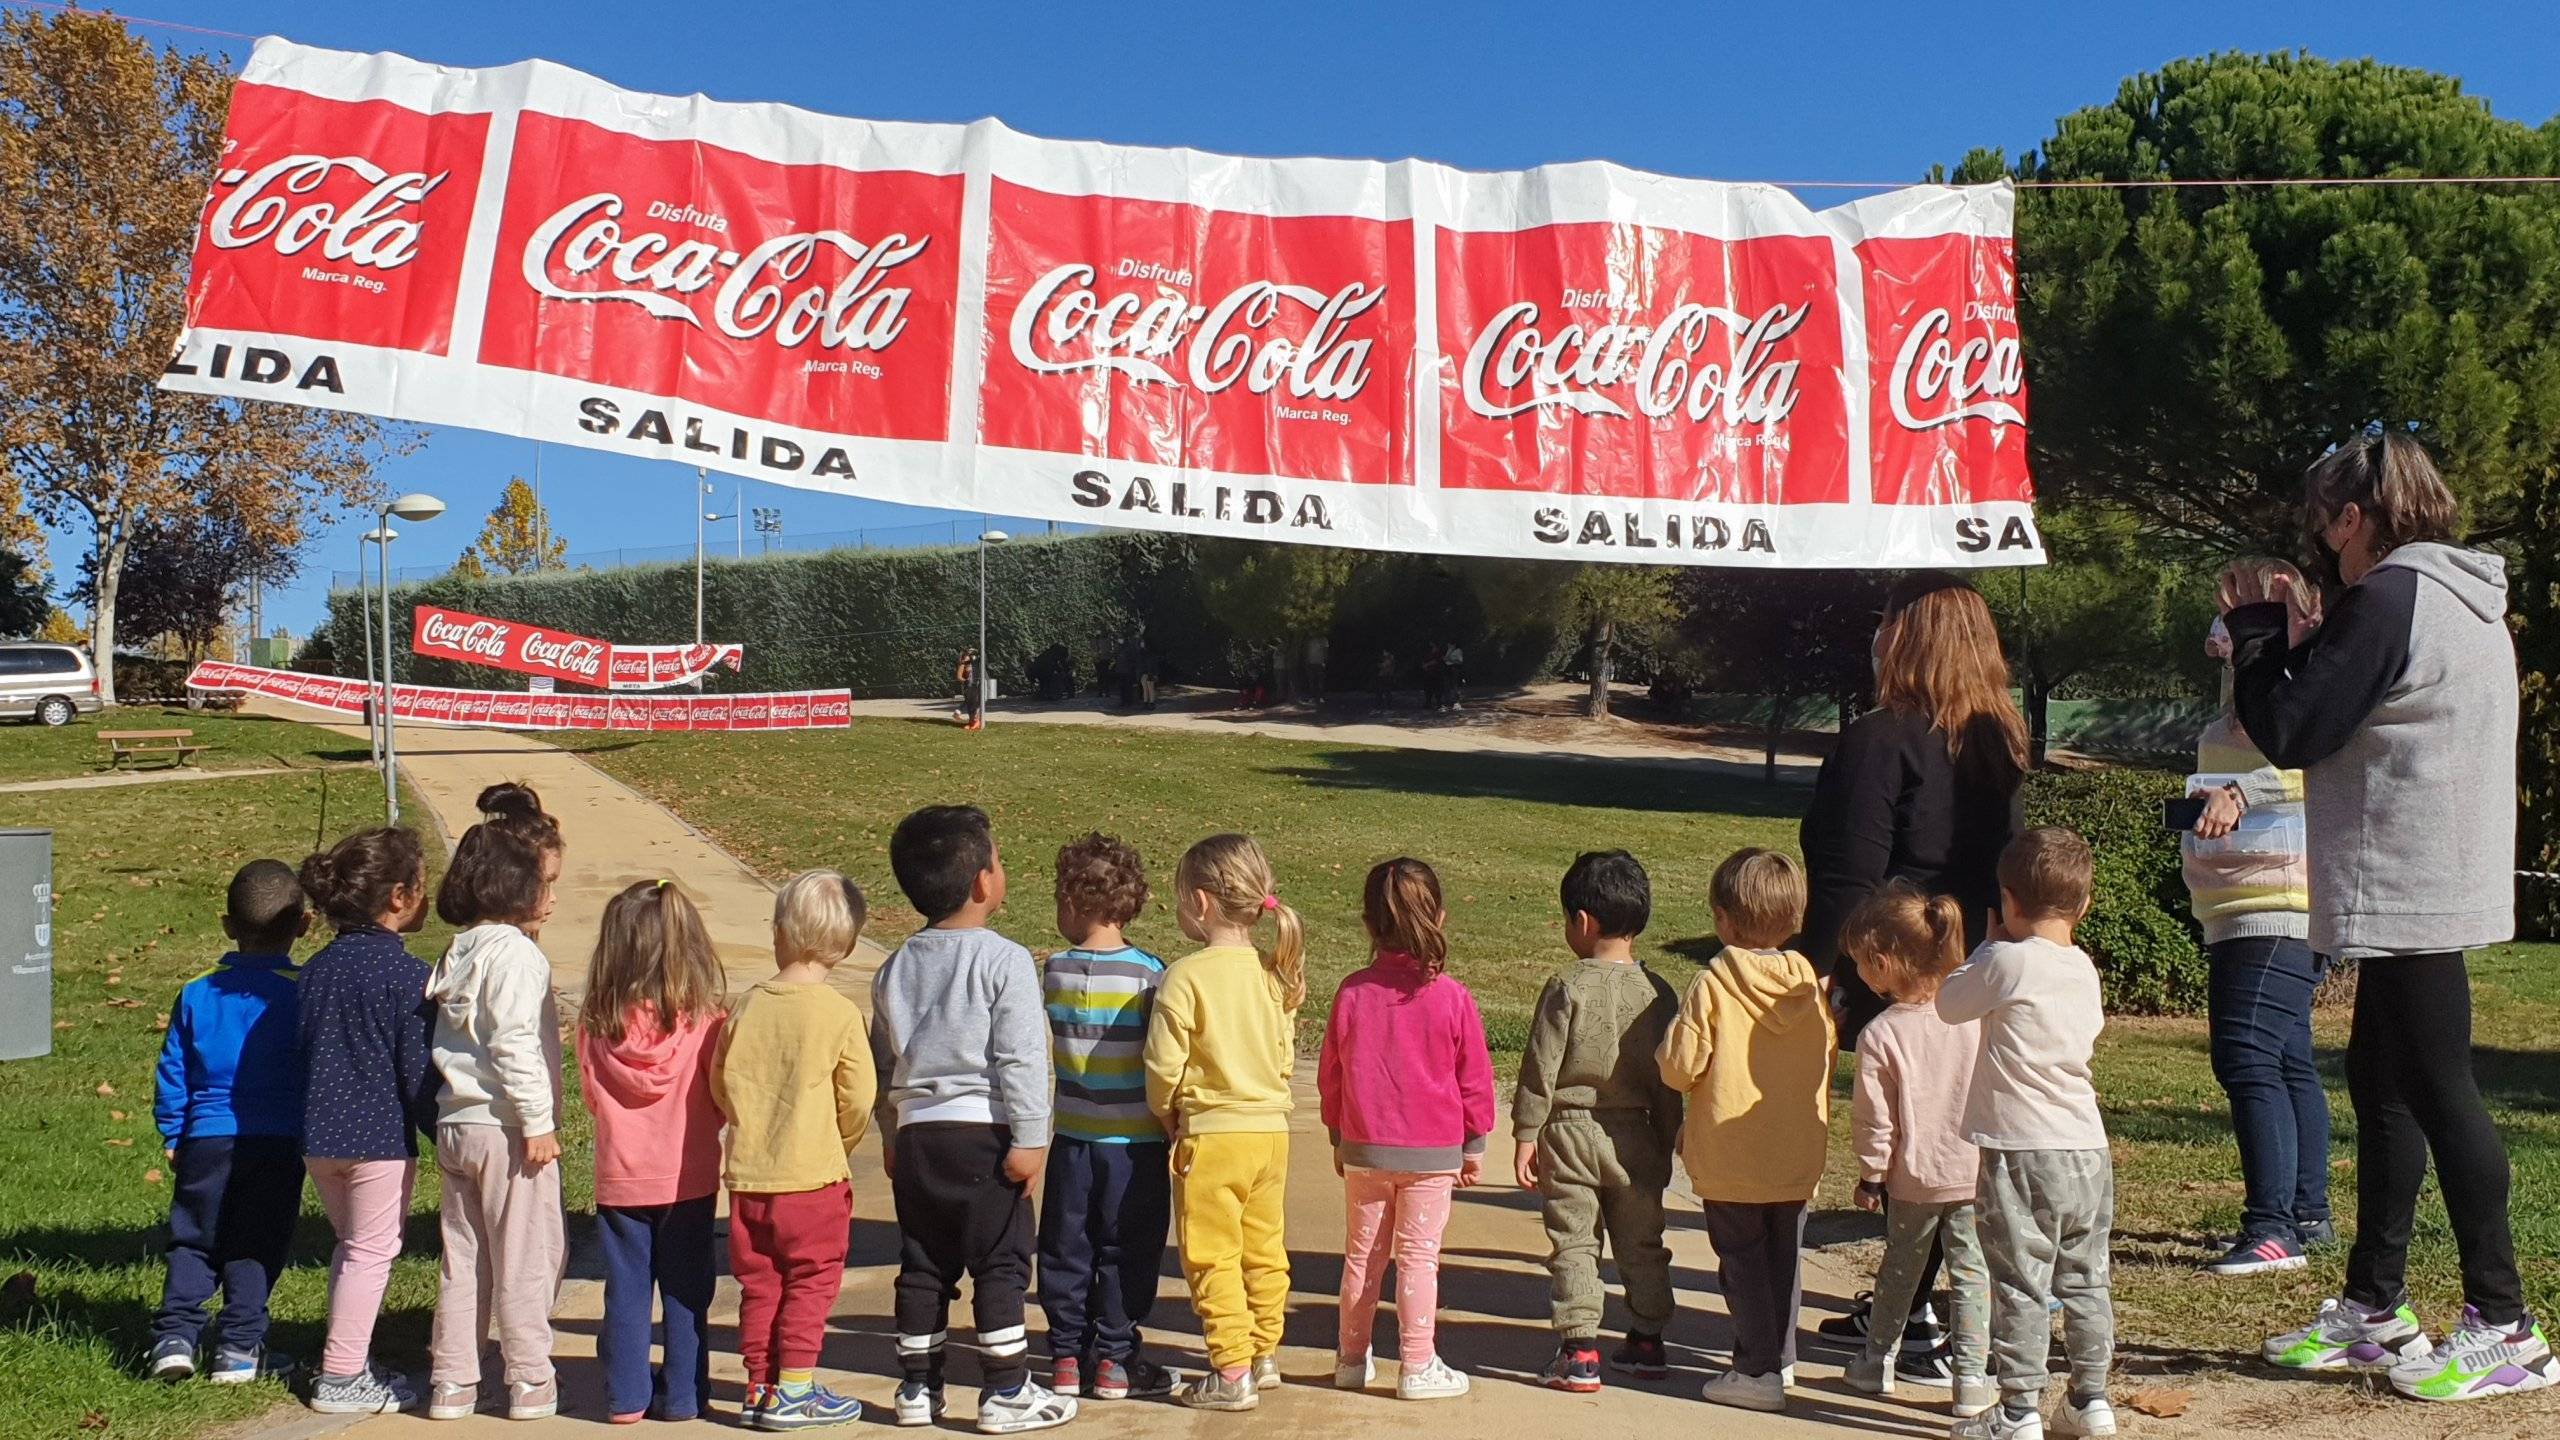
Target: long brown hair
[1914,938]
[352,880]
[1400,903]
[1237,878]
[653,951]
[1938,657]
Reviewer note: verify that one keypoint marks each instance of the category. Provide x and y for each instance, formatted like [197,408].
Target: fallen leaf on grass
[2161,1403]
[151,1176]
[121,1144]
[115,1114]
[123,1002]
[160,1023]
[64,1024]
[105,1089]
[94,1422]
[114,980]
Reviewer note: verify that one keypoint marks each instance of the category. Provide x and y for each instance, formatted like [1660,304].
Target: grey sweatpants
[2046,1219]
[1909,1230]
[1596,1169]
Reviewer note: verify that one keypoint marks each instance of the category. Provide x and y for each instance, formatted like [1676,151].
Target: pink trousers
[505,1245]
[367,1202]
[1402,1211]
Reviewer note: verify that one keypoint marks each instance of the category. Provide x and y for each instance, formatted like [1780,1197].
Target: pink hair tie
[1270,902]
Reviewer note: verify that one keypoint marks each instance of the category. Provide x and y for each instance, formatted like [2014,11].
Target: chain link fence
[721,545]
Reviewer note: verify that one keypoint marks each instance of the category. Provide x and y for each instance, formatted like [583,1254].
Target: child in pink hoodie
[1408,1097]
[650,1024]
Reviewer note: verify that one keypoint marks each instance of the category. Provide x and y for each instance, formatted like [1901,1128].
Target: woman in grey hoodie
[2400,709]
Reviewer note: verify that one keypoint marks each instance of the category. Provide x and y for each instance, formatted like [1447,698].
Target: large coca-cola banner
[1578,361]
[579,659]
[520,710]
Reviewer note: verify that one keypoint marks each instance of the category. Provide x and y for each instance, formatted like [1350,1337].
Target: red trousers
[788,1254]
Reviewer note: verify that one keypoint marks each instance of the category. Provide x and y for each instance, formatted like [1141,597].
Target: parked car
[50,684]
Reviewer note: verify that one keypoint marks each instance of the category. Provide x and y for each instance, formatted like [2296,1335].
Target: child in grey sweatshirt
[960,1034]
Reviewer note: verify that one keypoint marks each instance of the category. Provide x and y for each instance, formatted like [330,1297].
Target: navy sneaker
[1850,1324]
[2264,1255]
[1643,1357]
[1576,1368]
[172,1360]
[793,1407]
[2318,1233]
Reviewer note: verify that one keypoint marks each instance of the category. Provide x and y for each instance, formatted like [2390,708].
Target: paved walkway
[166,775]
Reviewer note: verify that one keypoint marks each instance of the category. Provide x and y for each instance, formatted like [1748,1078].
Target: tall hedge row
[2149,950]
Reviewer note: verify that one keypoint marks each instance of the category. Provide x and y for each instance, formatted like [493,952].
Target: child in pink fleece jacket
[646,1037]
[1408,1098]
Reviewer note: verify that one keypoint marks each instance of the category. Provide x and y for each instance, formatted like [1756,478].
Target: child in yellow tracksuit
[1220,1049]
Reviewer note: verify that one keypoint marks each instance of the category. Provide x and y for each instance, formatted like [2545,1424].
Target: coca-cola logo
[290,204]
[1264,335]
[777,289]
[1937,381]
[1515,366]
[484,638]
[575,654]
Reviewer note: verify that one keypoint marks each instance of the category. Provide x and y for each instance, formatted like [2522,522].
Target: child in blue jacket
[229,1103]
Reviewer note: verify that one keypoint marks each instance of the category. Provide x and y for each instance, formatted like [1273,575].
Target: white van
[49,684]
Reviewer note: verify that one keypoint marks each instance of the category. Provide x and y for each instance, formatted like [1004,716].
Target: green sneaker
[2480,1361]
[2345,1336]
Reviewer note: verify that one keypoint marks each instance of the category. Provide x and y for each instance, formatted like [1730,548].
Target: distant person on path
[1407,1089]
[1453,676]
[229,1104]
[2400,709]
[973,694]
[2250,891]
[1382,679]
[1132,659]
[1595,1127]
[1923,788]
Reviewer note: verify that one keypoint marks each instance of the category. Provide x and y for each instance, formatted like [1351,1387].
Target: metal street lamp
[978,676]
[768,525]
[417,508]
[364,623]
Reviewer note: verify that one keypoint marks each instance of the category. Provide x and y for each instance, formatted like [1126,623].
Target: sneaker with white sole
[1868,1373]
[1764,1393]
[172,1360]
[1357,1374]
[243,1367]
[2093,1419]
[1135,1378]
[1214,1391]
[1027,1406]
[1433,1381]
[1266,1372]
[449,1401]
[2480,1361]
[919,1404]
[1997,1423]
[1973,1395]
[803,1407]
[533,1399]
[2261,1255]
[2346,1336]
[375,1392]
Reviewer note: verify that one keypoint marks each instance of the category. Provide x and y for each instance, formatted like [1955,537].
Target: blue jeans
[2260,1009]
[1102,1232]
[665,1251]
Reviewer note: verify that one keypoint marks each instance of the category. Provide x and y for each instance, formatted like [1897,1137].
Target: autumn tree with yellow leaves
[517,538]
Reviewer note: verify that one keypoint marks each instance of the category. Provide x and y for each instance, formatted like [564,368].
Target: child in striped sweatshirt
[1108,1201]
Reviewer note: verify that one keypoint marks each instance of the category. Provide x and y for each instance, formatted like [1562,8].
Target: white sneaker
[1027,1406]
[2479,1361]
[919,1404]
[1435,1381]
[1997,1423]
[2095,1418]
[1266,1372]
[1765,1393]
[1350,1376]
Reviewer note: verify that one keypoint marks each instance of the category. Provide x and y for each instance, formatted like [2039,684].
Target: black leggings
[2409,1074]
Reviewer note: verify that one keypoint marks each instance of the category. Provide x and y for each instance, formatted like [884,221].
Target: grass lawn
[139,876]
[234,742]
[1500,830]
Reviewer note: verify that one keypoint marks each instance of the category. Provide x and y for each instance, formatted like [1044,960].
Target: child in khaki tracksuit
[1596,1125]
[1752,1049]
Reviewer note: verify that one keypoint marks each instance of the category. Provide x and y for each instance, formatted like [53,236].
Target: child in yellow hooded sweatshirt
[1752,1052]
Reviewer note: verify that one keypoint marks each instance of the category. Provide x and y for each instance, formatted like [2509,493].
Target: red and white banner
[532,650]
[520,710]
[1577,361]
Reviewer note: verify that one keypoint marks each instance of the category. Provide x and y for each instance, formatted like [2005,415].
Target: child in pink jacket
[1408,1098]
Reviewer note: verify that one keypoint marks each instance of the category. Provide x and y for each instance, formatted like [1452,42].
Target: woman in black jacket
[1923,788]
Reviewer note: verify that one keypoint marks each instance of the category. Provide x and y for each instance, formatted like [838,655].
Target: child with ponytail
[1915,1073]
[1220,1049]
[1407,1089]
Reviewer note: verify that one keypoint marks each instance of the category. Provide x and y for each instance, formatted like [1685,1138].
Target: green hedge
[2140,931]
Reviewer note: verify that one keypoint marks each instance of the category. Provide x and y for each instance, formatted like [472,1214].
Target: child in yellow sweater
[1220,1050]
[1752,1050]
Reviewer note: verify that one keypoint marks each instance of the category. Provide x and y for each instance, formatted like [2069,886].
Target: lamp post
[978,676]
[768,525]
[702,487]
[364,622]
[417,508]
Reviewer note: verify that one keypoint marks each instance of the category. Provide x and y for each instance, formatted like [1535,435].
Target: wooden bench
[178,745]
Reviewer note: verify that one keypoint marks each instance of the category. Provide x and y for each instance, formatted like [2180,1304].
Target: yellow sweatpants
[1230,1192]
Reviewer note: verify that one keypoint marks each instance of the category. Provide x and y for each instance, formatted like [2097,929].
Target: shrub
[2140,930]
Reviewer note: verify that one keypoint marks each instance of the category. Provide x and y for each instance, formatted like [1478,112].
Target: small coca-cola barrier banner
[1578,361]
[519,710]
[533,650]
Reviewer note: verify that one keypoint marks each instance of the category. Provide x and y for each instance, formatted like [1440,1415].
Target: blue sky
[1787,91]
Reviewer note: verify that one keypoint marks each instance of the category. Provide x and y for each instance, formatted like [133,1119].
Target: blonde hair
[652,951]
[1236,876]
[1914,939]
[1400,904]
[1938,657]
[817,915]
[1762,893]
